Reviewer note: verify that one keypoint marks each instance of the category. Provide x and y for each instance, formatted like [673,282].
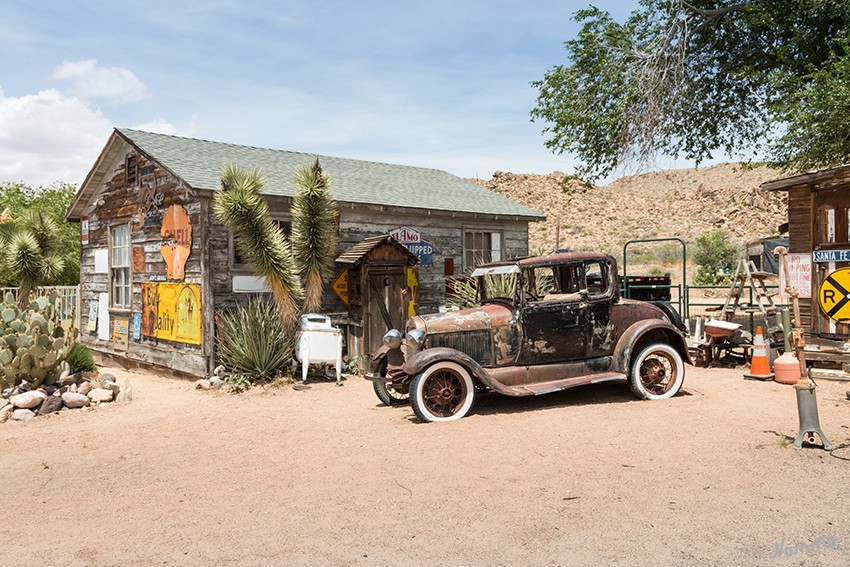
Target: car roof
[550,259]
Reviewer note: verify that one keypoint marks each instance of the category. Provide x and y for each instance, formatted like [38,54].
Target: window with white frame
[122,287]
[481,246]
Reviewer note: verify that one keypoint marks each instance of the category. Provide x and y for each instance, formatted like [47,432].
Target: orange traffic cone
[760,368]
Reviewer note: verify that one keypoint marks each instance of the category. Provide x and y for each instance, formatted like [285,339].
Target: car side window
[598,277]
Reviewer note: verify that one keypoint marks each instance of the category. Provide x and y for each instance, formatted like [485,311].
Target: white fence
[70,295]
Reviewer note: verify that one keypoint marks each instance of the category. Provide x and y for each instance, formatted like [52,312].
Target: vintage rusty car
[542,324]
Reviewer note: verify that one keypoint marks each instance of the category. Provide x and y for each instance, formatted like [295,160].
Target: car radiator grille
[474,343]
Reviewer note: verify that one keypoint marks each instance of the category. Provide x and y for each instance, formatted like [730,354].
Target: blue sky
[432,84]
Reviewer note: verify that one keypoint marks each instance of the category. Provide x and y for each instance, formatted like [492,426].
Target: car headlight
[415,339]
[392,339]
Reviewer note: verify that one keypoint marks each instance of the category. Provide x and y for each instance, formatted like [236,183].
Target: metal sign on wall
[177,233]
[800,270]
[834,294]
[412,240]
[172,311]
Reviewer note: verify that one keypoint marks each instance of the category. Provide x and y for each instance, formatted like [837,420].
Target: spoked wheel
[657,373]
[442,392]
[385,392]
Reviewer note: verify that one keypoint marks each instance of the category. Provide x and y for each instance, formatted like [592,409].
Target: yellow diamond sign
[340,286]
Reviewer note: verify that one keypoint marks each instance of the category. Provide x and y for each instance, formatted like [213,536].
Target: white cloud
[49,137]
[90,81]
[160,126]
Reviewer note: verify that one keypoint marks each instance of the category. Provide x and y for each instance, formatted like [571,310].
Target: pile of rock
[214,382]
[70,392]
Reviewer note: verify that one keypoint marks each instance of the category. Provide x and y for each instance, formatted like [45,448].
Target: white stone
[6,412]
[28,399]
[84,388]
[126,393]
[100,395]
[75,400]
[23,414]
[203,384]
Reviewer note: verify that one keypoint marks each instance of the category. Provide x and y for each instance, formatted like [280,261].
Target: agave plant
[313,213]
[252,340]
[263,246]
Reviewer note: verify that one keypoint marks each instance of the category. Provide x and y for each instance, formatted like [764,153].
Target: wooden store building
[157,264]
[819,257]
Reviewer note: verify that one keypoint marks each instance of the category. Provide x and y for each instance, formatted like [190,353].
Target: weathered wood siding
[446,232]
[120,206]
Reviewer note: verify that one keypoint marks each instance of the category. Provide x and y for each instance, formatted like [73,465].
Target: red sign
[406,235]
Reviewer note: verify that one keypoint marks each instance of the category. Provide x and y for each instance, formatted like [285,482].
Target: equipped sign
[834,294]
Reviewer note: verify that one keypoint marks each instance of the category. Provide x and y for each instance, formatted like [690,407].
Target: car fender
[380,354]
[661,331]
[425,358]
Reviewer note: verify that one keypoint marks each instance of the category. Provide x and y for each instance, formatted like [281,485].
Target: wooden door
[387,304]
[831,231]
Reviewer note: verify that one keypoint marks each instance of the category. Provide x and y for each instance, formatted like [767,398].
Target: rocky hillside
[680,203]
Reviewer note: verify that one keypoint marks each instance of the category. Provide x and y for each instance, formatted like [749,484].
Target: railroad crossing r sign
[834,294]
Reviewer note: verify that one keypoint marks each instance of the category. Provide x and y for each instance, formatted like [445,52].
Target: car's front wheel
[385,392]
[442,392]
[657,372]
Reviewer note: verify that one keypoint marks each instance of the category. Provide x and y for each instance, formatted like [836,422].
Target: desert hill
[683,203]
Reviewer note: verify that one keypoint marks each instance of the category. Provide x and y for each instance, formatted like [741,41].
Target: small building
[819,247]
[157,264]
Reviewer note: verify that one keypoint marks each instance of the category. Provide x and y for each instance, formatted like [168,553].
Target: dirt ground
[328,476]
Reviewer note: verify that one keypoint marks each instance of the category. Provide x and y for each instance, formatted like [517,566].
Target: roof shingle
[198,163]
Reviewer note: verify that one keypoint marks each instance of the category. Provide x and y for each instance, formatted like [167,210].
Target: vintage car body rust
[426,358]
[565,325]
[643,333]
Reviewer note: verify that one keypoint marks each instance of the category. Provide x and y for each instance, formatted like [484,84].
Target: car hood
[474,319]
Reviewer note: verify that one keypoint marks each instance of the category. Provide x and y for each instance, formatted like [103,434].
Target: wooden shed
[380,296]
[819,242]
[157,264]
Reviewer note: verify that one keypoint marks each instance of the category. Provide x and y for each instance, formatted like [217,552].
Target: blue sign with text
[426,252]
[831,255]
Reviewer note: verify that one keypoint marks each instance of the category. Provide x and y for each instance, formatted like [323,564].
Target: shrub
[80,358]
[252,340]
[714,253]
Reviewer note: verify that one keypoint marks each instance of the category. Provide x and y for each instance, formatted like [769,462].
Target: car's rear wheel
[442,392]
[385,392]
[657,372]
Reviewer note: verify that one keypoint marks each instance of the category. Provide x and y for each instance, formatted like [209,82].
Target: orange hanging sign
[177,233]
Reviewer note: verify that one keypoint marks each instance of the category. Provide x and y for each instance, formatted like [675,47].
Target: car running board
[558,385]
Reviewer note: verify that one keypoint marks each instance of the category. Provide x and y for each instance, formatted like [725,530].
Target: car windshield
[497,287]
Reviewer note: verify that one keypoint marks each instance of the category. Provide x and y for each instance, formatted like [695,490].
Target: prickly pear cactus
[33,343]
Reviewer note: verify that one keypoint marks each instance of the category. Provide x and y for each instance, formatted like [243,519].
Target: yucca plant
[30,250]
[313,213]
[263,246]
[253,341]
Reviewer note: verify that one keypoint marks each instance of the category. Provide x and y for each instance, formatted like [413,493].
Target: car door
[600,296]
[553,321]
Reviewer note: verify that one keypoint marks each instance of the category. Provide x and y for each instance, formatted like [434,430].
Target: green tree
[263,246]
[51,202]
[715,252]
[313,213]
[768,76]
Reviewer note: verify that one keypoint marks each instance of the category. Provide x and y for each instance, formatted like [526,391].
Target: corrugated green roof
[198,163]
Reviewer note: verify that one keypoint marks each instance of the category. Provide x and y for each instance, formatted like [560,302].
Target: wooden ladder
[746,273]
